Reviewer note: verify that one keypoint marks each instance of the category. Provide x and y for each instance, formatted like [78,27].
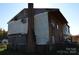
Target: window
[19,35]
[23,20]
[53,24]
[53,40]
[66,29]
[15,19]
[57,26]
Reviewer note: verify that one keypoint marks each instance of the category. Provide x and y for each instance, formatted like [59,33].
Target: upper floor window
[24,20]
[57,27]
[53,24]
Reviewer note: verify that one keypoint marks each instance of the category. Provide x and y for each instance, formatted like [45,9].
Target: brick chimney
[30,27]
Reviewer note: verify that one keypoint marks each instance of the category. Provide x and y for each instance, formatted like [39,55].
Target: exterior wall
[52,31]
[41,28]
[17,32]
[15,27]
[55,29]
[18,41]
[56,32]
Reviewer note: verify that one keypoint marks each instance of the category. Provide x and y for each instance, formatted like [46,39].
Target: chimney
[30,5]
[31,14]
[30,27]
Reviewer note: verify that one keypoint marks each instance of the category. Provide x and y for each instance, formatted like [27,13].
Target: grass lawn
[3,47]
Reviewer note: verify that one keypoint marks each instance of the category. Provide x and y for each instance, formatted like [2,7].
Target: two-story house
[37,27]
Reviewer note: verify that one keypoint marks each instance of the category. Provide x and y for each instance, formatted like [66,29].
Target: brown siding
[58,33]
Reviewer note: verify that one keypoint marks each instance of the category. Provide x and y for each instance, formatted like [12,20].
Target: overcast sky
[70,11]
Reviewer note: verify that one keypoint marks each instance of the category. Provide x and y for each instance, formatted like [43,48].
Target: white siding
[41,28]
[17,27]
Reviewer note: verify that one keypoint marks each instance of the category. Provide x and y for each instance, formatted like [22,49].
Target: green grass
[3,47]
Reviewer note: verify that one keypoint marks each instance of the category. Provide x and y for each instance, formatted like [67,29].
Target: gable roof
[24,13]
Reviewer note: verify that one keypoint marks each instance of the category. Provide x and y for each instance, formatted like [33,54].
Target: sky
[69,10]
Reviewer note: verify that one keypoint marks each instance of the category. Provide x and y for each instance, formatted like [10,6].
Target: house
[37,28]
[75,39]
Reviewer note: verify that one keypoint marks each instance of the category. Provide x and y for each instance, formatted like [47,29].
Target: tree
[3,34]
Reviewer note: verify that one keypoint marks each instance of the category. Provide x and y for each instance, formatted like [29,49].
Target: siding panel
[15,27]
[41,28]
